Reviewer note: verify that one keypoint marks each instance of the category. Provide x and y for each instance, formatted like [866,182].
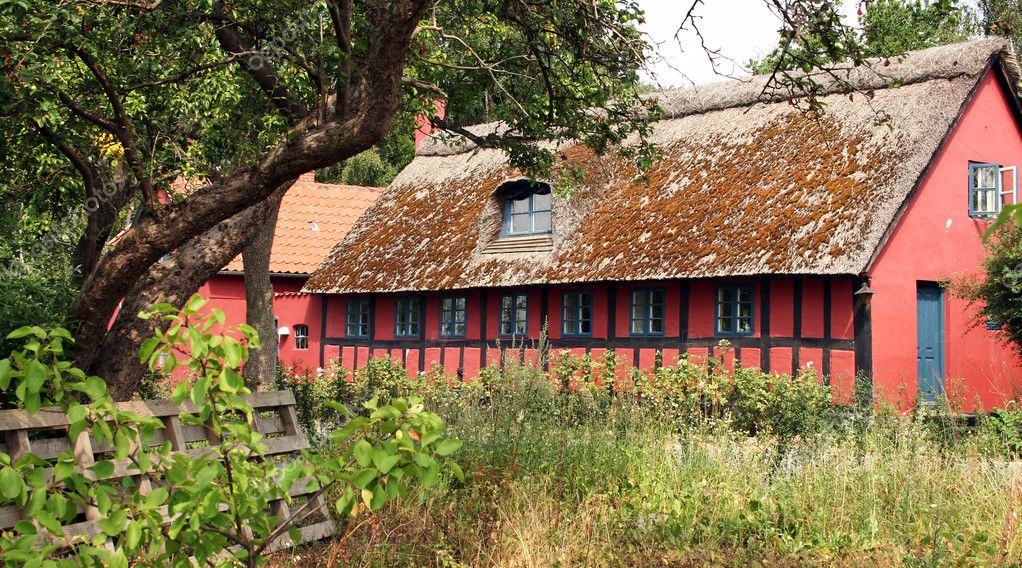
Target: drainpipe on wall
[863,322]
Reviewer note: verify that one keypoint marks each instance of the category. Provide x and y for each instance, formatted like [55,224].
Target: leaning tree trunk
[172,281]
[311,144]
[261,366]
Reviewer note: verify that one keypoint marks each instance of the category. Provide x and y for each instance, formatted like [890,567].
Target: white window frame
[301,337]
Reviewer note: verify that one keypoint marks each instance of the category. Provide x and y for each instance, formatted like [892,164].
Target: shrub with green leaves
[685,394]
[212,506]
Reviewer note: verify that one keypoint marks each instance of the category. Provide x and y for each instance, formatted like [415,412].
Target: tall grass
[580,478]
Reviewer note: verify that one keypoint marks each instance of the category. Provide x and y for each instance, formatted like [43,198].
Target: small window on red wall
[301,337]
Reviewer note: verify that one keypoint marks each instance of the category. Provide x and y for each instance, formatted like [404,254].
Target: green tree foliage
[216,501]
[892,27]
[886,28]
[247,95]
[36,294]
[367,168]
[999,292]
[1003,18]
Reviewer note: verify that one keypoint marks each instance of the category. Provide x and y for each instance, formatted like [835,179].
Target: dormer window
[526,209]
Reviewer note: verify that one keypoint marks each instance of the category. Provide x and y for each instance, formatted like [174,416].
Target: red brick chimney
[307,177]
[422,124]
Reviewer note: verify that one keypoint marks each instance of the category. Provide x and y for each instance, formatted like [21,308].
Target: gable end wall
[936,241]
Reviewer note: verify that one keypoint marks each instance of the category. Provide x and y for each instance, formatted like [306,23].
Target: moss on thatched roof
[746,187]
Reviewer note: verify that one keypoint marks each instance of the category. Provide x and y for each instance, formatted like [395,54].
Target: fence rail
[45,435]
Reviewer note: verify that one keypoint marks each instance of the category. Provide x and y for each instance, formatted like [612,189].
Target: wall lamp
[865,293]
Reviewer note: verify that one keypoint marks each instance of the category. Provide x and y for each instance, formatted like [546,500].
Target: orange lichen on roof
[749,189]
[313,218]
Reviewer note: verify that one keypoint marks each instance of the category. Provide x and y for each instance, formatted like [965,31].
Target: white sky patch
[741,29]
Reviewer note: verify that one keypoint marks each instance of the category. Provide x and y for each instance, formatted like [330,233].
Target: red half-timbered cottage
[313,217]
[800,240]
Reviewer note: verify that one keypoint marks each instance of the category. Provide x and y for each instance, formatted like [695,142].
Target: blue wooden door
[930,314]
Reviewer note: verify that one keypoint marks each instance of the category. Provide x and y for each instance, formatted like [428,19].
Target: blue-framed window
[984,190]
[577,314]
[514,315]
[734,311]
[527,209]
[647,312]
[407,317]
[356,318]
[453,315]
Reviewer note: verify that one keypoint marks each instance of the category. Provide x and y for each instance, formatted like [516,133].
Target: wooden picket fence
[45,434]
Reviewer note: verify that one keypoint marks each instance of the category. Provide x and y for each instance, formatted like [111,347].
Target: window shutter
[1009,185]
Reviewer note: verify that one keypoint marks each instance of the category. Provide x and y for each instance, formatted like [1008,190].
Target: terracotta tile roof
[745,188]
[313,218]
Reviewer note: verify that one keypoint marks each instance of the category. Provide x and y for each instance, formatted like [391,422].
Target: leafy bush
[37,293]
[217,501]
[999,290]
[1001,432]
[382,380]
[577,389]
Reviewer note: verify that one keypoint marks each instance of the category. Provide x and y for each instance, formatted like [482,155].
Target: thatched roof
[746,187]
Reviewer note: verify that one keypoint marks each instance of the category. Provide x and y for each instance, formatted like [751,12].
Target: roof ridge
[341,185]
[940,62]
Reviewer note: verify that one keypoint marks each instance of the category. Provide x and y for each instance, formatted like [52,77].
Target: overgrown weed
[689,467]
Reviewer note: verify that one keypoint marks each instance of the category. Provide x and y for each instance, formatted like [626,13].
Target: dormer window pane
[541,222]
[520,205]
[541,202]
[520,224]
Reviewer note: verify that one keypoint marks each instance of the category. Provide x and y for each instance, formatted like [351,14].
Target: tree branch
[308,146]
[424,85]
[489,68]
[89,252]
[231,42]
[94,118]
[125,132]
[340,17]
[189,72]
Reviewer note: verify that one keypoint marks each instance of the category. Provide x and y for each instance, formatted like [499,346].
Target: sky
[742,29]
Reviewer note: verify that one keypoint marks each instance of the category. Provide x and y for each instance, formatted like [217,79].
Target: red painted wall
[842,318]
[699,321]
[782,308]
[336,306]
[936,240]
[812,308]
[227,292]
